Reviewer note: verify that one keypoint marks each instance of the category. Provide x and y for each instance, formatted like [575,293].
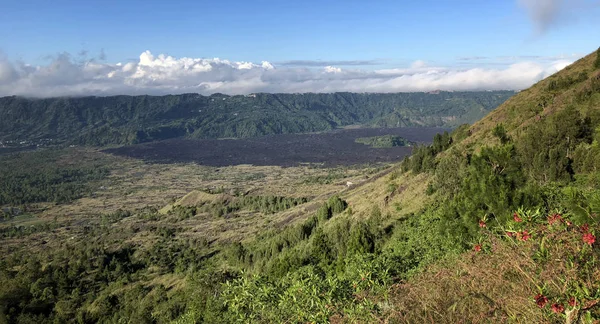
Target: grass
[536,102]
[409,194]
[499,284]
[134,185]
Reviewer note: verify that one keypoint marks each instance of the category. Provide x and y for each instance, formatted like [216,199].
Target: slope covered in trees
[494,222]
[513,207]
[130,120]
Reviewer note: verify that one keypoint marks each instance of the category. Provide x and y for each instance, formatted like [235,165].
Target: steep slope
[576,86]
[520,188]
[548,275]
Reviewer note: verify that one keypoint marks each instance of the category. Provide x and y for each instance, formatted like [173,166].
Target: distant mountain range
[100,121]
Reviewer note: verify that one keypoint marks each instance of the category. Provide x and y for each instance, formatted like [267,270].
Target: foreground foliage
[536,268]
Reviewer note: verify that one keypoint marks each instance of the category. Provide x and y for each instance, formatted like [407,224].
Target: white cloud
[162,74]
[418,64]
[321,63]
[557,66]
[331,69]
[7,72]
[267,66]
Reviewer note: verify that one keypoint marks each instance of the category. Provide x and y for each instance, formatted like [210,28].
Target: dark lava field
[330,148]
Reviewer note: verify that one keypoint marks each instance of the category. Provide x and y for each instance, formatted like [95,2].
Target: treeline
[38,177]
[423,158]
[226,205]
[88,283]
[128,120]
[530,172]
[267,204]
[550,167]
[385,141]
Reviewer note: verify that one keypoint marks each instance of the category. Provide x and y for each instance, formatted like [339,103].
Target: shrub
[500,132]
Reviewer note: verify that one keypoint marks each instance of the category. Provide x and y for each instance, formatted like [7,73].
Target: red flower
[585,228]
[554,218]
[510,234]
[589,238]
[541,300]
[517,218]
[477,247]
[482,224]
[525,236]
[572,302]
[558,308]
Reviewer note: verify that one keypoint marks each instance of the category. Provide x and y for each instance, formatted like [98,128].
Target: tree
[361,240]
[450,172]
[500,132]
[321,251]
[324,213]
[337,205]
[547,147]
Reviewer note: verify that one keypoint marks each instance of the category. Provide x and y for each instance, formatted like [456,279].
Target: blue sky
[370,35]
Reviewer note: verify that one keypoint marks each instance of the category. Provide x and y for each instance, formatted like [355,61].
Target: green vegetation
[547,168]
[500,132]
[42,178]
[535,268]
[508,234]
[423,157]
[87,283]
[128,120]
[561,83]
[385,141]
[226,206]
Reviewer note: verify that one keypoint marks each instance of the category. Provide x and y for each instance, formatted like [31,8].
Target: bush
[361,240]
[500,132]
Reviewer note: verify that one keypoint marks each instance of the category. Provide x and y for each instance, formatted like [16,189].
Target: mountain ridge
[117,120]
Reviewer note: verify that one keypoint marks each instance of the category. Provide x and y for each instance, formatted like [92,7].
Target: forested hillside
[495,222]
[503,231]
[130,120]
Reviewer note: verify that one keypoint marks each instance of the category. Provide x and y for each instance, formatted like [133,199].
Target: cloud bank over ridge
[162,74]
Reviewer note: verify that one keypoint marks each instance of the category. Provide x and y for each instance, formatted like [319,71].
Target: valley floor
[331,149]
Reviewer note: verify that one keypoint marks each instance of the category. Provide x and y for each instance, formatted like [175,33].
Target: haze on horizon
[69,48]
